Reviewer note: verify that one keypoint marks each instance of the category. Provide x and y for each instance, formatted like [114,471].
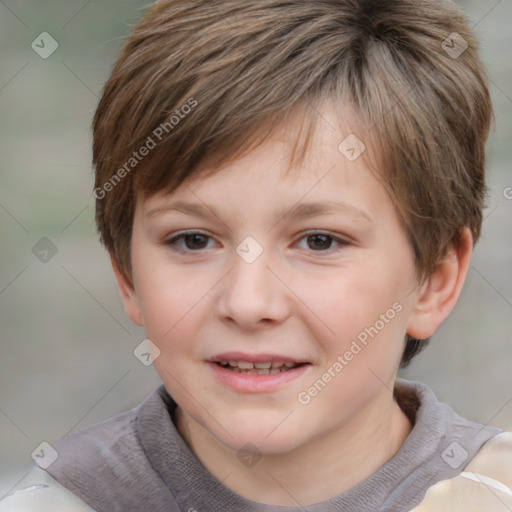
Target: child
[255,130]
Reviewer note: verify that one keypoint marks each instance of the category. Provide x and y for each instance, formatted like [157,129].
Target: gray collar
[439,446]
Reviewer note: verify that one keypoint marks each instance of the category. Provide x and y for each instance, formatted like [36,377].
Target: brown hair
[199,82]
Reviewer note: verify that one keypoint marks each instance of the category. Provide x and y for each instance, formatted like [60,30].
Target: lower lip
[251,383]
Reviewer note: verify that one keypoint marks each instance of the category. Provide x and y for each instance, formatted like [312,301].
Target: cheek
[363,318]
[172,300]
[159,294]
[350,300]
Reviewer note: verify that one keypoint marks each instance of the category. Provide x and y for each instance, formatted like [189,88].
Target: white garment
[490,482]
[40,492]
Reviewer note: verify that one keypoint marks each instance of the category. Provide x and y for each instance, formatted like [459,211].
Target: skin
[302,297]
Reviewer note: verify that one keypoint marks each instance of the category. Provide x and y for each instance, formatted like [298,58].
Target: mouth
[264,368]
[256,373]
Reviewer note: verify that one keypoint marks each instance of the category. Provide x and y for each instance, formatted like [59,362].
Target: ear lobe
[128,293]
[439,294]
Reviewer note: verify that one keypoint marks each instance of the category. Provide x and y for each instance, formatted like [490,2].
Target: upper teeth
[246,365]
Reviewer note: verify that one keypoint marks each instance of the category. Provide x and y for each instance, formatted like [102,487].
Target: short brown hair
[238,67]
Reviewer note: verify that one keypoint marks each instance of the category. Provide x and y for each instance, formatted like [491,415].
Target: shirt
[137,461]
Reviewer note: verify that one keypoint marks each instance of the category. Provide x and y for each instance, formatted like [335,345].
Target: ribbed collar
[438,440]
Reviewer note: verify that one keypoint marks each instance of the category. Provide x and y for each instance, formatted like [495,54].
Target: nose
[253,294]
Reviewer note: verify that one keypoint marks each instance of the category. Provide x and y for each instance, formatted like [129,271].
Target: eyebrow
[299,211]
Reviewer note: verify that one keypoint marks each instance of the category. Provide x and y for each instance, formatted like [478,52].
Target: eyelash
[172,241]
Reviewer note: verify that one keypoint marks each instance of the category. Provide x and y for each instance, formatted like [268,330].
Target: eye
[321,242]
[194,241]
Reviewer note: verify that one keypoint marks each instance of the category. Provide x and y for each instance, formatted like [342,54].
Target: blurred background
[67,347]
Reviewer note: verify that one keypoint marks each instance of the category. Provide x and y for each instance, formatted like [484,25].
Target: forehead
[332,178]
[308,132]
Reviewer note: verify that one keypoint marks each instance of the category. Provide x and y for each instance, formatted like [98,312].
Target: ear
[438,295]
[128,293]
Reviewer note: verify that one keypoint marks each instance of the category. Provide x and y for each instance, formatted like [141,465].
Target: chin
[260,437]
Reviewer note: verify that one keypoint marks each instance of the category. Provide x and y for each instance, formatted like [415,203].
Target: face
[279,303]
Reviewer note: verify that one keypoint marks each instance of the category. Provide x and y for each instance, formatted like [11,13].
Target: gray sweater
[137,461]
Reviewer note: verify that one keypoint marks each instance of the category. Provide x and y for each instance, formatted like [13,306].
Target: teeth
[245,365]
[262,365]
[257,368]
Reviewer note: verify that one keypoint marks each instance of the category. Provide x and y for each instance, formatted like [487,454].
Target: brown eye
[193,242]
[321,242]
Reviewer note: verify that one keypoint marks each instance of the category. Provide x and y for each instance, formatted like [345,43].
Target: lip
[252,383]
[255,358]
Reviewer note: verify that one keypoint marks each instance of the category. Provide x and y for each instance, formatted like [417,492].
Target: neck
[304,476]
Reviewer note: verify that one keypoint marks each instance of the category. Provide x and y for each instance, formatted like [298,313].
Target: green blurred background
[66,345]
